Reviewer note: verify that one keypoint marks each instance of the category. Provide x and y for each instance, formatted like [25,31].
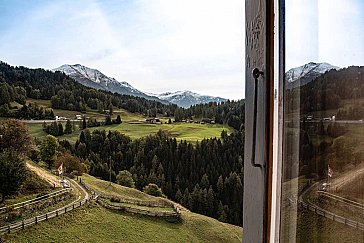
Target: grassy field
[125,115]
[117,190]
[93,223]
[304,226]
[181,131]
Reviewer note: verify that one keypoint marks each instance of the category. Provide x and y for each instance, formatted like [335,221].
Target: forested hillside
[205,177]
[229,112]
[20,83]
[329,90]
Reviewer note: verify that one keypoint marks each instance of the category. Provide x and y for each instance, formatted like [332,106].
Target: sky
[169,45]
[155,45]
[329,31]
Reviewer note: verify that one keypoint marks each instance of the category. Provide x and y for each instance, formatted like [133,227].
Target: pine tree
[118,120]
[60,129]
[108,120]
[84,124]
[68,127]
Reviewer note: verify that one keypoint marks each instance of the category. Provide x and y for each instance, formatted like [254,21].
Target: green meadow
[191,132]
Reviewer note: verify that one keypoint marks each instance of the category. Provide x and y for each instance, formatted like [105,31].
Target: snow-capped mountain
[304,74]
[95,79]
[188,98]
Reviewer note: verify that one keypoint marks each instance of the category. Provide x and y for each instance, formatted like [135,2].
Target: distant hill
[187,98]
[329,90]
[304,74]
[66,93]
[95,79]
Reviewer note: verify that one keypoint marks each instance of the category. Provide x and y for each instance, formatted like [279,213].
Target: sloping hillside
[94,223]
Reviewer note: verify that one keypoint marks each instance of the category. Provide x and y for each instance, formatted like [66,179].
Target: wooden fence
[34,201]
[174,215]
[100,199]
[35,220]
[332,216]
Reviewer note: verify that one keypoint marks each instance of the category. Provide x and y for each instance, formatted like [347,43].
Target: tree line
[328,91]
[231,113]
[20,83]
[206,177]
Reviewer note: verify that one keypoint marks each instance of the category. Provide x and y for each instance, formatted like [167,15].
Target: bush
[153,189]
[125,178]
[13,172]
[34,154]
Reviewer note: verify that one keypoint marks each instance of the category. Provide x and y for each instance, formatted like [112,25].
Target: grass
[93,223]
[151,209]
[305,226]
[126,115]
[182,131]
[191,132]
[118,190]
[132,125]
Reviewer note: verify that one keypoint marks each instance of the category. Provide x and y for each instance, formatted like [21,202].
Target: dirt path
[51,179]
[347,177]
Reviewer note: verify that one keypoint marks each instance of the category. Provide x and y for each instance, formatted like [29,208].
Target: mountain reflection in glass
[323,140]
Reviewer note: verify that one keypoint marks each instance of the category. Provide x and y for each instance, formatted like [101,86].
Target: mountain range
[304,74]
[187,98]
[95,79]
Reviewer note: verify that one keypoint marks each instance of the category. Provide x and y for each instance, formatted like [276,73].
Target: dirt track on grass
[51,179]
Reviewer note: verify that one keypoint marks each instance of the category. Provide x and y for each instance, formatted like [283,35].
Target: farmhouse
[153,121]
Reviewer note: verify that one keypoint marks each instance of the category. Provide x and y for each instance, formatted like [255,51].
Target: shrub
[125,178]
[13,172]
[153,189]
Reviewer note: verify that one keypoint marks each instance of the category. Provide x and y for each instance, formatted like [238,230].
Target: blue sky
[156,45]
[325,31]
[169,45]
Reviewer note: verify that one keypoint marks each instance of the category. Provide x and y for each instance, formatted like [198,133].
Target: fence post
[22,224]
[46,216]
[73,206]
[80,203]
[65,209]
[36,219]
[56,213]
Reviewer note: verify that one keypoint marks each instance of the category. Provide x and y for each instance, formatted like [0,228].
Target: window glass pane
[323,148]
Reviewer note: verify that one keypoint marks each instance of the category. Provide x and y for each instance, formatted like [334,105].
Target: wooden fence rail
[99,198]
[332,216]
[34,201]
[139,211]
[28,222]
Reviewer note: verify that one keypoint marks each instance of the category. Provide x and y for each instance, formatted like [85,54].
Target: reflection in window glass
[323,155]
